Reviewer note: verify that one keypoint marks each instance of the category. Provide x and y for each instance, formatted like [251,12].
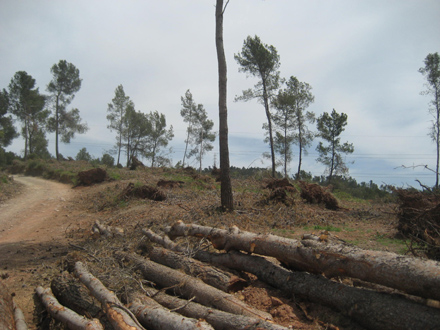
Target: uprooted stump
[94,175]
[281,191]
[281,195]
[419,219]
[315,194]
[278,183]
[170,183]
[135,163]
[144,192]
[216,173]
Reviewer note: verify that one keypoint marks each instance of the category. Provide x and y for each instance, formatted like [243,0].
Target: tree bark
[220,320]
[7,320]
[370,309]
[65,315]
[116,313]
[154,316]
[412,275]
[190,287]
[212,276]
[227,201]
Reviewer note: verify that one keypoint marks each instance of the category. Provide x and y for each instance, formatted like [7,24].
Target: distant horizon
[253,158]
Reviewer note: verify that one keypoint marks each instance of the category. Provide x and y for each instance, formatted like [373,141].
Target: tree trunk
[190,287]
[370,309]
[218,319]
[226,197]
[57,115]
[65,315]
[437,128]
[269,126]
[7,320]
[412,275]
[212,276]
[298,174]
[154,316]
[116,313]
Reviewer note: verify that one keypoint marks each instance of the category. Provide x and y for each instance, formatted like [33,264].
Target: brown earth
[40,226]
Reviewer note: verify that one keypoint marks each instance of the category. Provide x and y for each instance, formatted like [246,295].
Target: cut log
[412,275]
[99,229]
[7,320]
[190,287]
[20,322]
[154,316]
[65,315]
[213,276]
[165,241]
[72,294]
[370,309]
[119,317]
[220,320]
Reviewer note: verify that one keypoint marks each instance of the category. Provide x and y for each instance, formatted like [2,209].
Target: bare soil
[42,224]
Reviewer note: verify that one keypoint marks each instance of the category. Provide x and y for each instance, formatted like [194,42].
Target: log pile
[194,288]
[419,219]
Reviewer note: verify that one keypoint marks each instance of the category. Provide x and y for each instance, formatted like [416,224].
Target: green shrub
[35,167]
[17,166]
[107,160]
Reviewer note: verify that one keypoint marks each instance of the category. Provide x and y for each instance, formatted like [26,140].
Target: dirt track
[32,216]
[32,235]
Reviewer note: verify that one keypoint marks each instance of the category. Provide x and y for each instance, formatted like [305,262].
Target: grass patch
[328,228]
[114,175]
[392,243]
[283,232]
[345,196]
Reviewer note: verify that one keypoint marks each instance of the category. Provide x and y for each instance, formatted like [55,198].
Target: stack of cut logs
[306,269]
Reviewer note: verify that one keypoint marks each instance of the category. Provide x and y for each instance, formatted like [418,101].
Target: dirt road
[32,215]
[32,236]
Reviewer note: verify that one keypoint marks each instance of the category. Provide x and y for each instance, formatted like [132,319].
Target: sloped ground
[65,231]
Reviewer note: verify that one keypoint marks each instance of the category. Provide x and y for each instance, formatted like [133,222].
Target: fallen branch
[153,315]
[116,313]
[65,315]
[189,286]
[412,275]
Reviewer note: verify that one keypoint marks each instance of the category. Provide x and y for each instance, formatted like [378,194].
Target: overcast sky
[360,57]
